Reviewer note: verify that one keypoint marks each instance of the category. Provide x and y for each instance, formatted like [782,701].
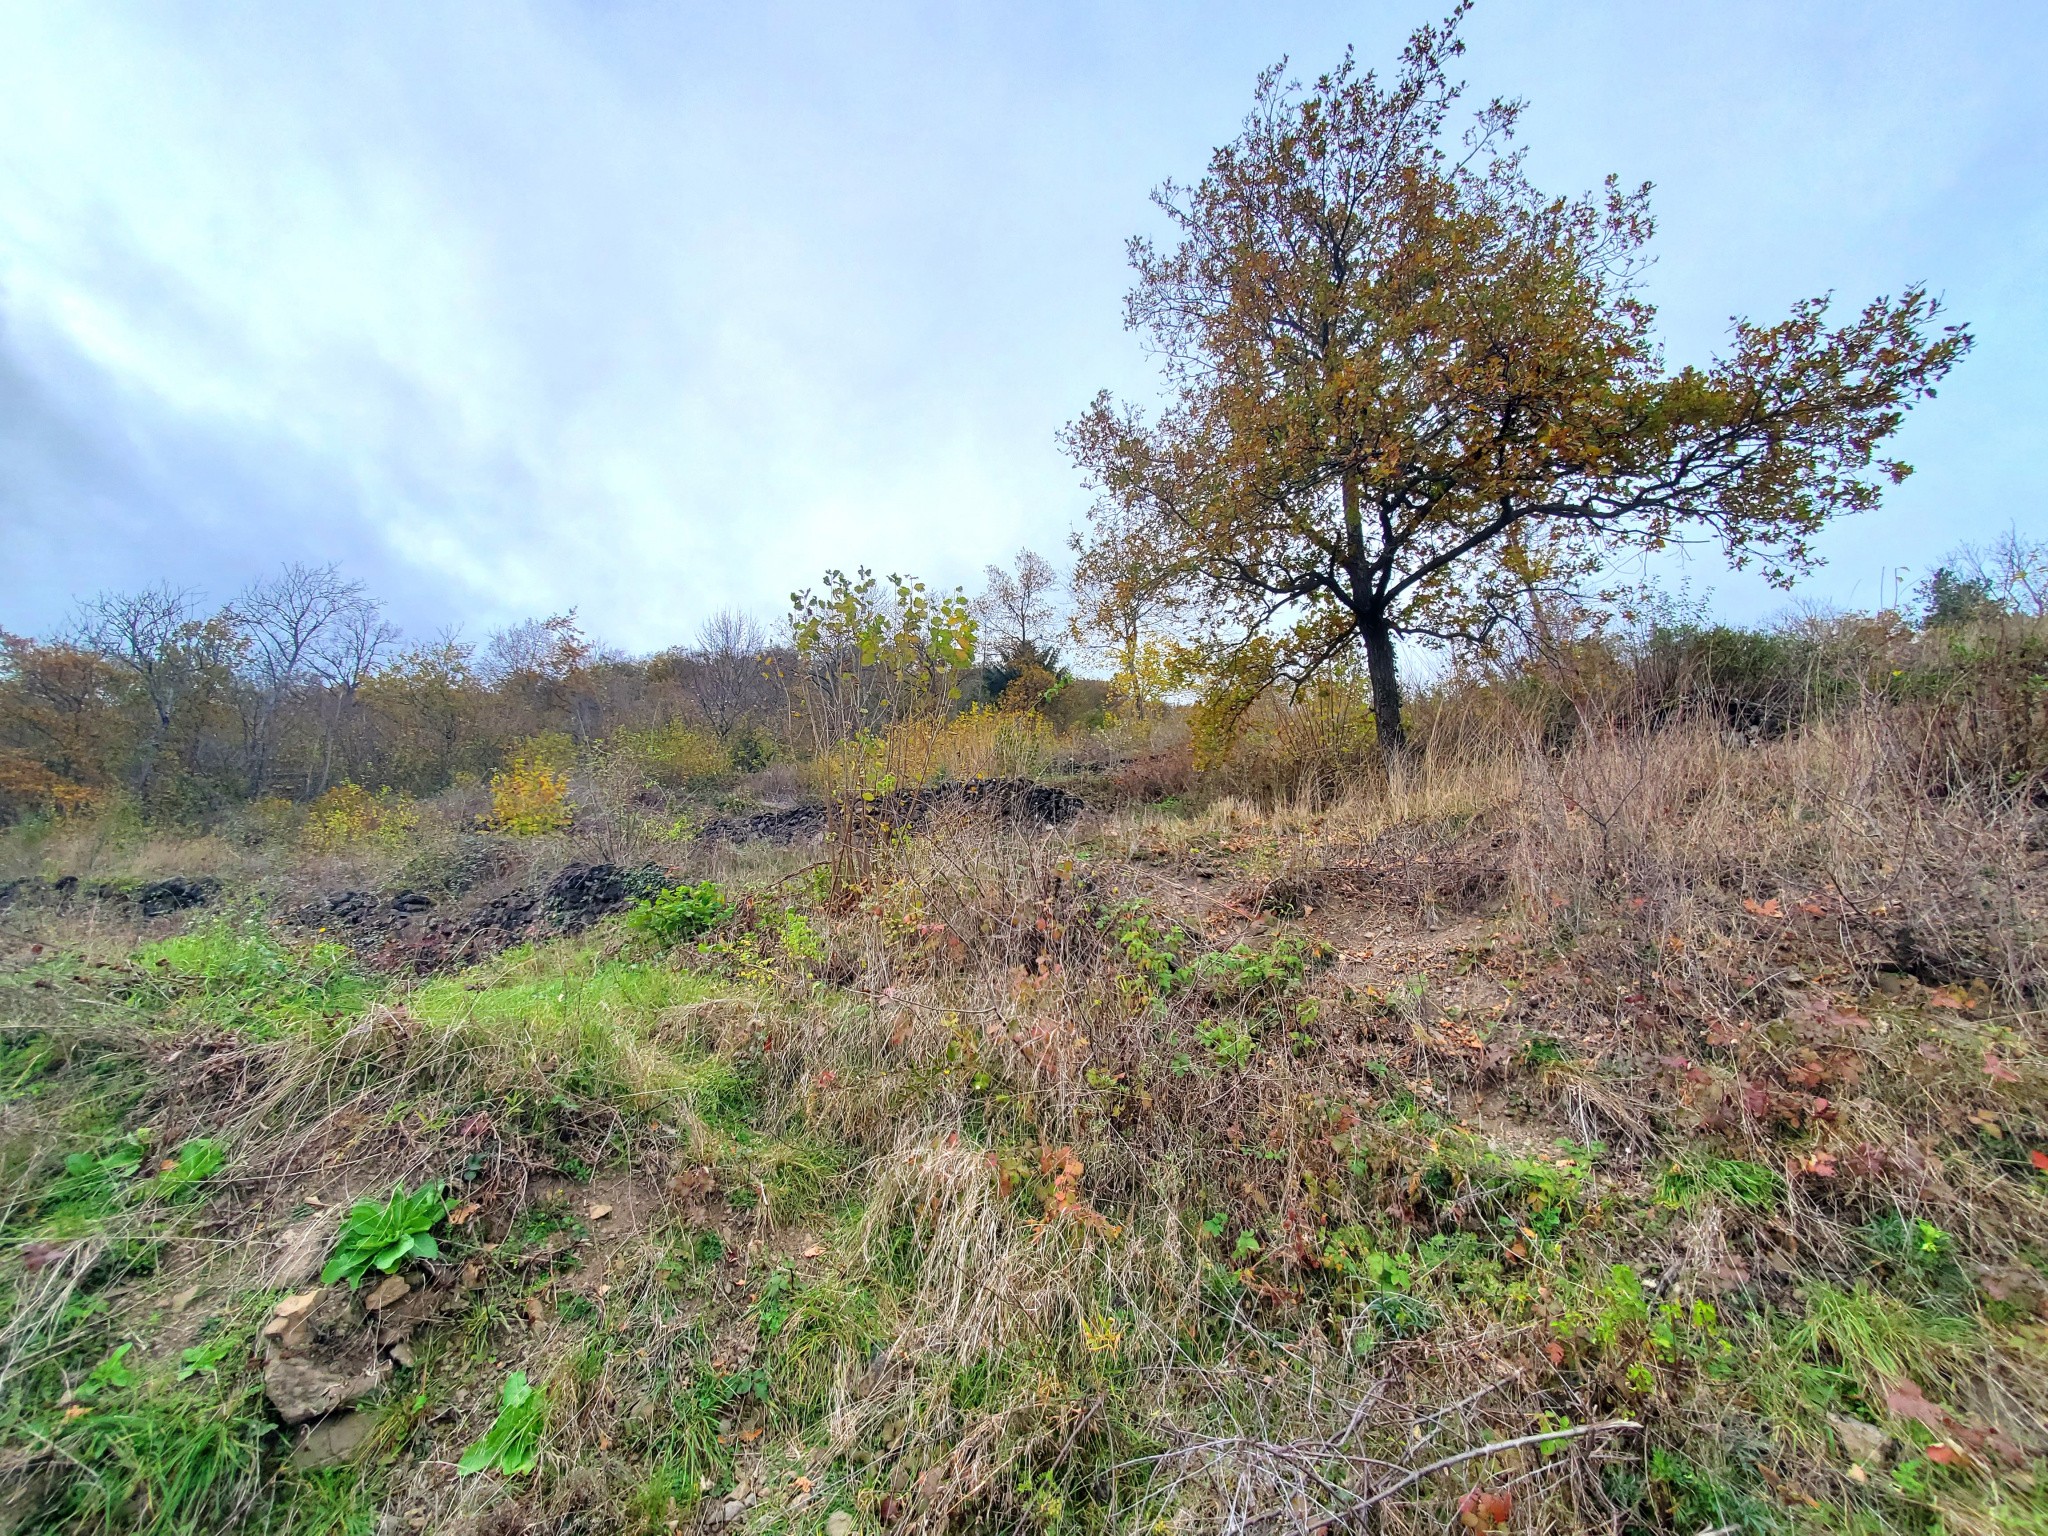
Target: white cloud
[515,307]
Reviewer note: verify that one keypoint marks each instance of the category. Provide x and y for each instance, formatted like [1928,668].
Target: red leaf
[1904,1400]
[1997,1070]
[43,1255]
[1555,1351]
[2039,1160]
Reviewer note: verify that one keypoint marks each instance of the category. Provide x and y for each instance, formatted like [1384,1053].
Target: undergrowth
[1641,1138]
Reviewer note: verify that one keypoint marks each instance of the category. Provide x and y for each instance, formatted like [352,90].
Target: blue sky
[648,309]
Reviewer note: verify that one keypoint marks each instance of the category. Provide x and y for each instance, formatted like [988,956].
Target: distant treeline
[301,684]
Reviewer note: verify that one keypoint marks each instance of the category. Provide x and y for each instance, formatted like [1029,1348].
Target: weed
[238,971]
[1686,1186]
[680,912]
[196,1161]
[385,1236]
[1229,1041]
[512,1444]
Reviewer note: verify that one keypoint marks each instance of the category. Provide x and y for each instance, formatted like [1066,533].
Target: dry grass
[1596,1131]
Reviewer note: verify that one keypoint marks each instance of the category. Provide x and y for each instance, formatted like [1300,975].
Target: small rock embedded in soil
[301,1250]
[290,1311]
[334,1441]
[1861,1443]
[314,1360]
[397,1288]
[301,1388]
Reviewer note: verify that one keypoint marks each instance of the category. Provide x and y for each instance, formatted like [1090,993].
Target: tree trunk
[1386,684]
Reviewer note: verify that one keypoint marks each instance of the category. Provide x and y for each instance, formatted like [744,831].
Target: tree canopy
[1408,390]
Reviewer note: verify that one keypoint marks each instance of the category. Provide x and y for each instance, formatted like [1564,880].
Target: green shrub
[680,912]
[385,1236]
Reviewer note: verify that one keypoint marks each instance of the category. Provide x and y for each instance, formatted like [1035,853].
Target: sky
[650,309]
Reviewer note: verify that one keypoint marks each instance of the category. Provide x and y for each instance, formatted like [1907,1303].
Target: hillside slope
[1649,1137]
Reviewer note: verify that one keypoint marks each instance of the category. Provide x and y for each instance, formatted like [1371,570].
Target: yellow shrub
[26,785]
[978,743]
[678,754]
[529,799]
[349,814]
[555,750]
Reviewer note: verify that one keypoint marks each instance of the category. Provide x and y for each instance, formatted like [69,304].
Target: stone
[599,1212]
[840,1523]
[300,1251]
[334,1441]
[300,1388]
[733,1510]
[396,1288]
[1861,1443]
[290,1312]
[184,1298]
[401,1354]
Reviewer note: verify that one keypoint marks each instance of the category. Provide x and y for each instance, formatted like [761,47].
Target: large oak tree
[1409,390]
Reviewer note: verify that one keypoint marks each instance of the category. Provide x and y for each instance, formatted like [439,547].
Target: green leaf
[512,1443]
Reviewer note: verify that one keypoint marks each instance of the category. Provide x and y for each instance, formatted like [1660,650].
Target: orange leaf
[1762,908]
[1482,1510]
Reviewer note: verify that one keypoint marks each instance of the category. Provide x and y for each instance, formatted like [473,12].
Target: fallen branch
[1498,1446]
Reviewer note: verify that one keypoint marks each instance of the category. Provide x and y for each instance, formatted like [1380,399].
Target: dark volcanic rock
[1016,800]
[157,898]
[161,897]
[408,931]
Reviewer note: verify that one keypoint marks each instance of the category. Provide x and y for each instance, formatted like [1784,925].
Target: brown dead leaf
[463,1214]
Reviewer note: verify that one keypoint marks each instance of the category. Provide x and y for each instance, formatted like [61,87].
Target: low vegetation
[878,1081]
[1641,1131]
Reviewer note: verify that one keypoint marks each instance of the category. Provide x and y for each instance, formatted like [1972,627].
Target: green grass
[237,970]
[161,1461]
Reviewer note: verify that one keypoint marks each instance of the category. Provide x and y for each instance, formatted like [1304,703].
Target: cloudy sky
[651,308]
